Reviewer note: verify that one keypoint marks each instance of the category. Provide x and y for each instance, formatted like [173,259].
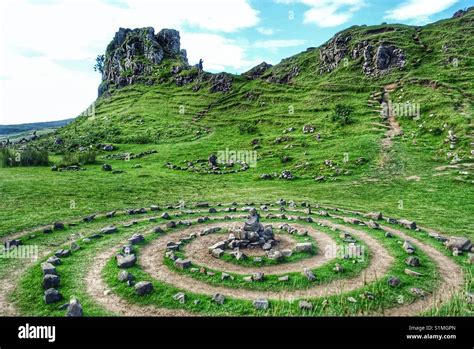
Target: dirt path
[451,275]
[394,127]
[151,260]
[102,295]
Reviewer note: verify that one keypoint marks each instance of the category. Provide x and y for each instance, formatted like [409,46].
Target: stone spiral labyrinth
[235,260]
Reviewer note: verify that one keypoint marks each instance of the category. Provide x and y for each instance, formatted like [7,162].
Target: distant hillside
[36,126]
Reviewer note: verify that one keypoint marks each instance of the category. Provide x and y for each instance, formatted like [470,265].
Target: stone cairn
[252,235]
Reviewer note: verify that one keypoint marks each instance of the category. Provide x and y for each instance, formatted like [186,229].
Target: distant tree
[99,64]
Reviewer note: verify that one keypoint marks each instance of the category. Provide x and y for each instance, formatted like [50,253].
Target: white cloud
[217,52]
[37,35]
[276,44]
[328,13]
[418,10]
[265,31]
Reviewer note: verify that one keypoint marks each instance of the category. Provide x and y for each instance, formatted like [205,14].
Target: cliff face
[133,54]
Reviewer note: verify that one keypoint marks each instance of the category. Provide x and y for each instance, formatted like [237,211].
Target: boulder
[217,245]
[274,254]
[143,288]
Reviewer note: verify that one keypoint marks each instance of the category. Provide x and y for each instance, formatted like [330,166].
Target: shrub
[247,128]
[343,114]
[84,158]
[25,158]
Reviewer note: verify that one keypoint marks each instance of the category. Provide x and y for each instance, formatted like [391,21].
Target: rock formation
[133,54]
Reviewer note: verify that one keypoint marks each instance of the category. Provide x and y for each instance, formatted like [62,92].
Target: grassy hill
[417,171]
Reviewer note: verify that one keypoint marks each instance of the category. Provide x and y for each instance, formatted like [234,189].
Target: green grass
[183,125]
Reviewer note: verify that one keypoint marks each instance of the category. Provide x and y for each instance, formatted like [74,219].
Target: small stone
[52,296]
[283,278]
[143,288]
[304,247]
[58,226]
[124,276]
[62,253]
[407,224]
[74,308]
[48,269]
[388,235]
[218,298]
[180,297]
[412,273]
[182,263]
[258,277]
[109,230]
[261,304]
[126,261]
[412,261]
[338,268]
[225,276]
[54,260]
[165,215]
[50,281]
[418,292]
[248,278]
[309,274]
[305,305]
[171,225]
[409,248]
[352,300]
[267,246]
[217,253]
[257,260]
[136,239]
[374,225]
[75,247]
[393,281]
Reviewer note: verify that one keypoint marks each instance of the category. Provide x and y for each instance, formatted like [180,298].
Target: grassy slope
[151,114]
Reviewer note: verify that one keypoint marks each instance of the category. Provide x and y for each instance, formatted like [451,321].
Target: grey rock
[182,263]
[304,247]
[74,308]
[143,288]
[305,305]
[51,281]
[261,304]
[412,261]
[459,243]
[218,298]
[126,261]
[52,296]
[124,276]
[393,281]
[109,230]
[309,274]
[136,239]
[48,269]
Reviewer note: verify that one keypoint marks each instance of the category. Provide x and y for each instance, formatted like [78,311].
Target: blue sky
[48,46]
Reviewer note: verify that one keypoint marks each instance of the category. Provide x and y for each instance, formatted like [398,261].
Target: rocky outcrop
[221,82]
[378,59]
[461,13]
[257,71]
[334,52]
[134,53]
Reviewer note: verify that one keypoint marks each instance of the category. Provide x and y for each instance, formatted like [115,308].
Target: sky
[48,47]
